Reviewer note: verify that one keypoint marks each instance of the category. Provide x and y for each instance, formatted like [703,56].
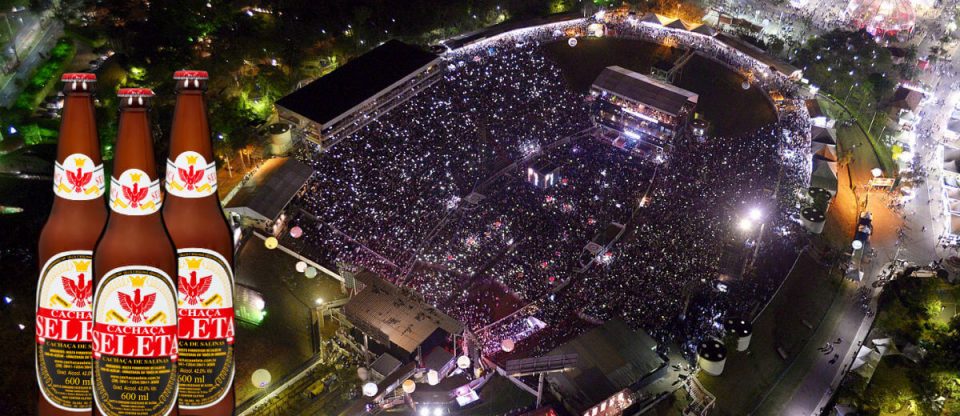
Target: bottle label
[205,307]
[133,193]
[190,176]
[135,342]
[78,178]
[64,296]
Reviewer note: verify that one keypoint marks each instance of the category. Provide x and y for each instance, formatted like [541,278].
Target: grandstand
[343,101]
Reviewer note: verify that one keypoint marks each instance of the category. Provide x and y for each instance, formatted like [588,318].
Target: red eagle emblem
[79,179]
[190,177]
[80,291]
[135,194]
[193,288]
[136,306]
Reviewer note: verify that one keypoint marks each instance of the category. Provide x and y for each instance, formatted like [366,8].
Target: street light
[756,214]
[745,224]
[319,301]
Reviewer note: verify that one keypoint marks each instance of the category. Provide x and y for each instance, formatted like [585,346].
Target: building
[613,359]
[397,320]
[905,100]
[261,198]
[638,112]
[341,102]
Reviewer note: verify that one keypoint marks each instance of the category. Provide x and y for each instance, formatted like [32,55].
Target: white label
[135,342]
[190,176]
[134,193]
[78,179]
[205,308]
[64,297]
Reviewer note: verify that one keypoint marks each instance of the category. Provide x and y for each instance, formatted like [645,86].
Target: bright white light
[876,172]
[22,326]
[370,389]
[7,299]
[437,411]
[857,244]
[319,301]
[424,411]
[13,130]
[745,224]
[756,214]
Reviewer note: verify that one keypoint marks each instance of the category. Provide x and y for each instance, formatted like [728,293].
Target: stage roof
[387,312]
[645,90]
[363,77]
[270,189]
[611,357]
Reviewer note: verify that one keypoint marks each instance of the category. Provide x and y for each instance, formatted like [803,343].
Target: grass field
[716,84]
[787,323]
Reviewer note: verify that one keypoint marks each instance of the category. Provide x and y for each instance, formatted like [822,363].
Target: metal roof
[645,90]
[389,313]
[611,357]
[360,79]
[270,189]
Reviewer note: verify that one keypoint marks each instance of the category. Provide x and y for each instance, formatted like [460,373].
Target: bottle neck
[78,171]
[191,130]
[134,143]
[191,169]
[78,130]
[135,187]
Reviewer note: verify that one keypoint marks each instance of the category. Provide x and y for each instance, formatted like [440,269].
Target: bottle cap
[197,77]
[134,95]
[77,81]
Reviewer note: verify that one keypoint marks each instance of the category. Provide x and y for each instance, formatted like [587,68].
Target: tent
[823,176]
[704,29]
[651,18]
[677,24]
[823,135]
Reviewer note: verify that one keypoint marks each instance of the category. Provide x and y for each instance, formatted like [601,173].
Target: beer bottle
[135,301]
[65,286]
[201,234]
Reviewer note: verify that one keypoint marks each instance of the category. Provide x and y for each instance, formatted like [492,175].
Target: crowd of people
[435,196]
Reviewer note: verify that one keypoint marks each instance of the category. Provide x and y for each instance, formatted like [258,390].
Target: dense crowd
[435,195]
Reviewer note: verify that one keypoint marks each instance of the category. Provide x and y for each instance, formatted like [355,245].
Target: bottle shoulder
[130,241]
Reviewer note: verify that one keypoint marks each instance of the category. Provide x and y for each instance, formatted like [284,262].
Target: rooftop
[271,188]
[336,93]
[611,357]
[386,311]
[645,90]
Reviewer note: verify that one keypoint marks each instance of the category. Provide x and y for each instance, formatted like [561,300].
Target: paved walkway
[32,40]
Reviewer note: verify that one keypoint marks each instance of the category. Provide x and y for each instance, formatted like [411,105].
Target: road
[33,39]
[922,220]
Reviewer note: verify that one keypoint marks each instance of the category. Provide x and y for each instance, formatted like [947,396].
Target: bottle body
[135,294]
[204,244]
[65,251]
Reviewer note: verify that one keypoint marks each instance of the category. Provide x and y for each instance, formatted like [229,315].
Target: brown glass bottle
[201,234]
[135,297]
[65,286]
